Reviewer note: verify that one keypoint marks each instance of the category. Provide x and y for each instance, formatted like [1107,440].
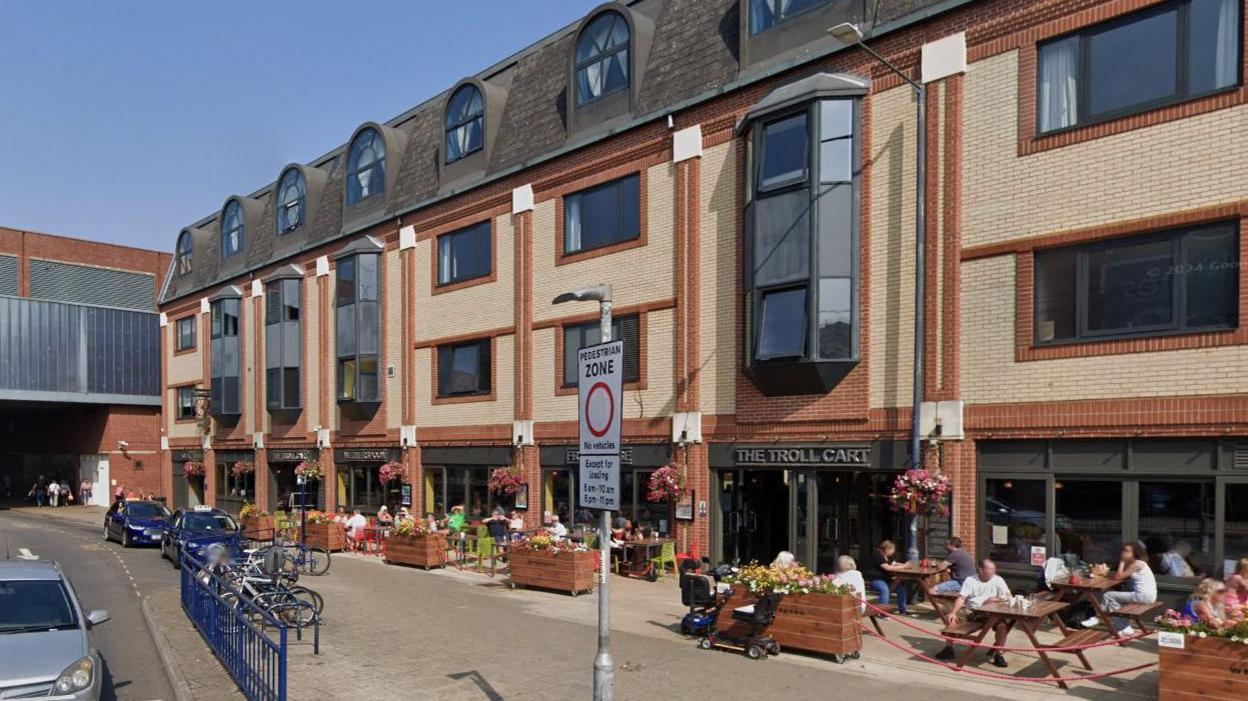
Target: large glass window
[226,387]
[465,486]
[602,215]
[602,58]
[1176,525]
[1088,520]
[1235,538]
[464,254]
[1177,281]
[559,498]
[184,253]
[784,152]
[782,324]
[360,488]
[231,229]
[1014,515]
[358,327]
[234,490]
[186,333]
[1157,56]
[283,344]
[186,403]
[366,166]
[464,369]
[465,115]
[291,199]
[623,328]
[765,14]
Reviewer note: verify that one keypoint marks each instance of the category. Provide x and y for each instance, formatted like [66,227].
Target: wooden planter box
[330,536]
[258,528]
[1212,669]
[826,624]
[423,551]
[570,572]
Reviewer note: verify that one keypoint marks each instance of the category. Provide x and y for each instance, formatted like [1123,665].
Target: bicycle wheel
[316,561]
[312,597]
[294,614]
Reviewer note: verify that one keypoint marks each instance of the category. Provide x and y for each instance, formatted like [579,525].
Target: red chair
[693,554]
[368,538]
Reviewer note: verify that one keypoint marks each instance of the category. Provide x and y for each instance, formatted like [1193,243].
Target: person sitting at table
[340,516]
[959,563]
[1133,567]
[515,525]
[355,528]
[981,588]
[384,519]
[847,573]
[455,520]
[558,531]
[1237,583]
[403,515]
[1208,603]
[785,560]
[877,574]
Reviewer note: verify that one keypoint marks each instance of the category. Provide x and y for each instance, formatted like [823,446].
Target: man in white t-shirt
[556,528]
[353,525]
[982,588]
[54,492]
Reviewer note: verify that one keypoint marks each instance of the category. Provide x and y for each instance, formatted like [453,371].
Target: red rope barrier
[1006,677]
[1003,648]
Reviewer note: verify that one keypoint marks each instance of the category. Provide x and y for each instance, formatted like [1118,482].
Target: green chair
[591,541]
[667,555]
[281,524]
[485,549]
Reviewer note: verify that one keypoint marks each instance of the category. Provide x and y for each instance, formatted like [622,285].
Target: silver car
[45,651]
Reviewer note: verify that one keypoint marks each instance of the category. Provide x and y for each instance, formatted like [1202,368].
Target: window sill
[184,351]
[443,288]
[1179,340]
[587,254]
[463,398]
[573,390]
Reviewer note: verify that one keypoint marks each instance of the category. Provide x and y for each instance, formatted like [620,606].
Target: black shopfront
[1186,501]
[236,479]
[284,488]
[461,477]
[358,480]
[816,500]
[560,464]
[187,492]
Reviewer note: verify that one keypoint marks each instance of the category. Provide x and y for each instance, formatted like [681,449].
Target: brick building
[79,363]
[746,184]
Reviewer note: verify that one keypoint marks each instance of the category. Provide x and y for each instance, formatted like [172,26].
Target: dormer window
[291,201]
[231,229]
[465,118]
[765,14]
[602,58]
[184,253]
[366,166]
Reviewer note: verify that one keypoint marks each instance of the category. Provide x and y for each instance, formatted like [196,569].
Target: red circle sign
[589,399]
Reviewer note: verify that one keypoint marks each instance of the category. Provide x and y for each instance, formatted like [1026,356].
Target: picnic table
[1028,618]
[926,579]
[639,553]
[1089,589]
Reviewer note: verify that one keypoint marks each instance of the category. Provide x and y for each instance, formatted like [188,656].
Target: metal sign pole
[303,511]
[604,668]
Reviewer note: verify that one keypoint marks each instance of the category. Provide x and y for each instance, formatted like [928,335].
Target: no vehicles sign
[600,374]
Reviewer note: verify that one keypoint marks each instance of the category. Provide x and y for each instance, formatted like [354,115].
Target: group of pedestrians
[58,492]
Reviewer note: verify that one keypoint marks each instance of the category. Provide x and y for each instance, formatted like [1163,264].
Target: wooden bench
[1077,638]
[875,621]
[1136,613]
[962,629]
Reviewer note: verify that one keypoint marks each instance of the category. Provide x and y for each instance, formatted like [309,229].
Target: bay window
[358,327]
[226,387]
[283,347]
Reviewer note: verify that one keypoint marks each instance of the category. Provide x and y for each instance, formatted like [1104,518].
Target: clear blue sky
[125,121]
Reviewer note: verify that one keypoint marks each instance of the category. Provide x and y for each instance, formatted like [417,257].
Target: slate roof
[694,53]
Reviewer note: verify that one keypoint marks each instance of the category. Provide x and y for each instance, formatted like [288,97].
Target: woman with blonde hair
[1237,583]
[785,561]
[1208,603]
[847,573]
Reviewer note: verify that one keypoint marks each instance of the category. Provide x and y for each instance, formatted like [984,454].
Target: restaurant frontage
[284,490]
[358,479]
[236,479]
[460,476]
[188,490]
[816,500]
[560,464]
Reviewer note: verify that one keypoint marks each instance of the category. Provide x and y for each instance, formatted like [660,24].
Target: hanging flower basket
[920,492]
[309,470]
[506,481]
[242,467]
[192,469]
[391,471]
[666,484]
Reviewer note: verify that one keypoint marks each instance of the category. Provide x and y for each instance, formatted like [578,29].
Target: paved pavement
[397,631]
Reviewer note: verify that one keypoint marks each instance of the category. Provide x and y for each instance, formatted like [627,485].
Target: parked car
[135,522]
[193,530]
[45,645]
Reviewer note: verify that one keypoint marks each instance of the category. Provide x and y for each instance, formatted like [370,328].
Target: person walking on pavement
[54,493]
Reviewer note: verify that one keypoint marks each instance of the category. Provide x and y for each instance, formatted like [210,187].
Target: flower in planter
[546,543]
[309,470]
[392,470]
[765,579]
[411,527]
[920,492]
[317,518]
[250,510]
[242,467]
[506,481]
[191,469]
[666,484]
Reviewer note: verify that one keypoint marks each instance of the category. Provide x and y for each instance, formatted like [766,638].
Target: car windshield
[146,510]
[34,605]
[208,522]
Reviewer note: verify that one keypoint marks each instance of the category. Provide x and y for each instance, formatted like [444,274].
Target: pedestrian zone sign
[600,375]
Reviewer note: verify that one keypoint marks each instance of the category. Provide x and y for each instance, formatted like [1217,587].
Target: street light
[849,34]
[604,669]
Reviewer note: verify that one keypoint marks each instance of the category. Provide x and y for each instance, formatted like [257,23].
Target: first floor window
[624,328]
[186,403]
[602,215]
[464,369]
[1176,281]
[283,344]
[186,333]
[358,328]
[464,254]
[226,365]
[782,324]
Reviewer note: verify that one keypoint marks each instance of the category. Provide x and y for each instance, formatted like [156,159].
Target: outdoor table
[1028,619]
[926,579]
[638,554]
[1088,589]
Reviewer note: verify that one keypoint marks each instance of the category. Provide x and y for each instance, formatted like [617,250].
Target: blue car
[192,530]
[135,522]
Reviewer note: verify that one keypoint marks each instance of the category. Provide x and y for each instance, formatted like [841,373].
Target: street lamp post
[849,34]
[604,668]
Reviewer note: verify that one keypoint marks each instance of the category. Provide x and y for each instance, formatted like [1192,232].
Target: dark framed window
[465,119]
[1014,512]
[184,253]
[464,369]
[291,201]
[186,403]
[226,363]
[283,343]
[602,58]
[186,333]
[784,153]
[782,324]
[461,485]
[1158,56]
[1171,282]
[366,166]
[602,215]
[464,254]
[623,328]
[358,327]
[765,14]
[231,229]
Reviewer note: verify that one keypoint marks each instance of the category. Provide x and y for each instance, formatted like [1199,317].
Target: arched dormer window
[465,120]
[366,166]
[602,58]
[184,253]
[231,229]
[291,201]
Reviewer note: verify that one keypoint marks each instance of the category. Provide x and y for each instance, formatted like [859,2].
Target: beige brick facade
[717,357]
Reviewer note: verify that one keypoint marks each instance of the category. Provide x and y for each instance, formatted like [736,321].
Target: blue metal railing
[250,643]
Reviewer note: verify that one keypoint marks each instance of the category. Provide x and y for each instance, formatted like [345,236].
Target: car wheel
[177,560]
[125,538]
[107,536]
